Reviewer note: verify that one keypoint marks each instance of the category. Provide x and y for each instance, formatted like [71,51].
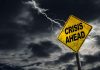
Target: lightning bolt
[42,11]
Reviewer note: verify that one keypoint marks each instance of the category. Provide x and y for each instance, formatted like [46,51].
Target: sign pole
[78,62]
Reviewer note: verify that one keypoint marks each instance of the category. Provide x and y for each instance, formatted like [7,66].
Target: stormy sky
[29,30]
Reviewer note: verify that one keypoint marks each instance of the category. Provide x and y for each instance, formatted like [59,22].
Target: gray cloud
[66,57]
[92,58]
[43,49]
[70,67]
[9,67]
[97,68]
[98,39]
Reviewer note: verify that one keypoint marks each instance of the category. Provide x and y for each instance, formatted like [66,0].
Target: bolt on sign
[74,33]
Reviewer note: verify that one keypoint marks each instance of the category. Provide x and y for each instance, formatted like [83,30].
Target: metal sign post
[78,61]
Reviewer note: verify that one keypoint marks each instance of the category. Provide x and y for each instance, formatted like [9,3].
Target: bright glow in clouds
[90,46]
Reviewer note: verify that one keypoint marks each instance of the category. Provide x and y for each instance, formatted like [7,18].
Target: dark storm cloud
[9,67]
[33,64]
[8,8]
[85,9]
[92,58]
[8,40]
[70,67]
[64,58]
[98,39]
[43,49]
[11,33]
[96,68]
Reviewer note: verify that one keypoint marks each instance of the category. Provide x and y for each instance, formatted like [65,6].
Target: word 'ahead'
[74,33]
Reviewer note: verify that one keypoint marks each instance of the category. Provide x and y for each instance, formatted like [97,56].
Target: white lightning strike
[42,11]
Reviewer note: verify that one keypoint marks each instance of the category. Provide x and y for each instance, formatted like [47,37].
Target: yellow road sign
[74,33]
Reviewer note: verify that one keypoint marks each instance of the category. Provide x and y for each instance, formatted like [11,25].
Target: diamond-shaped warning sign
[74,33]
